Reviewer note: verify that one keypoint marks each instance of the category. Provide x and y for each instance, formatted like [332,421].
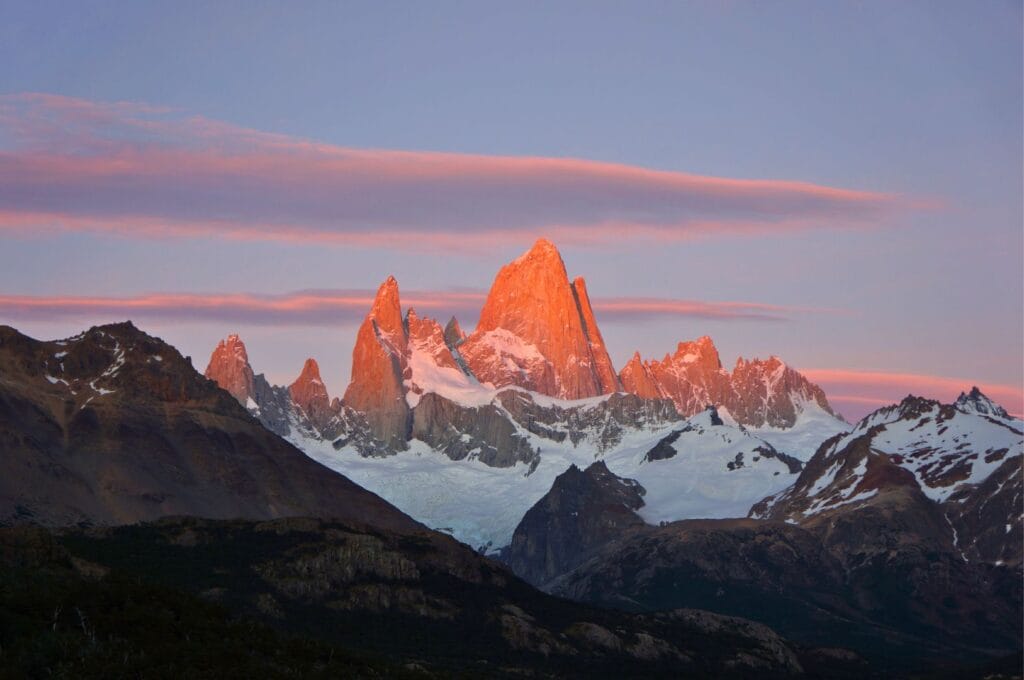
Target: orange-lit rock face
[229,367]
[604,370]
[378,363]
[757,392]
[637,378]
[310,394]
[765,390]
[537,331]
[693,377]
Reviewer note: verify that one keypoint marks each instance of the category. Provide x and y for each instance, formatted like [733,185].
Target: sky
[838,184]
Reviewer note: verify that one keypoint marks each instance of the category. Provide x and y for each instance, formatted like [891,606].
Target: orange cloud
[130,169]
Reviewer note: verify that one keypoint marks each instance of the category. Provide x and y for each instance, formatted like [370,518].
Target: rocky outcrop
[272,405]
[537,331]
[583,511]
[637,378]
[453,333]
[770,393]
[485,433]
[756,393]
[493,432]
[309,393]
[604,371]
[378,365]
[229,367]
[975,401]
[987,516]
[600,424]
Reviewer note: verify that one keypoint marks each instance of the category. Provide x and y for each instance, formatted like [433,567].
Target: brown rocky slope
[114,426]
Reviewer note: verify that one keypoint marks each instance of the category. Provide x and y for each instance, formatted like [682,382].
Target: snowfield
[714,473]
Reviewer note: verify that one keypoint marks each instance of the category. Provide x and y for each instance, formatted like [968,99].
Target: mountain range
[508,492]
[901,537]
[530,391]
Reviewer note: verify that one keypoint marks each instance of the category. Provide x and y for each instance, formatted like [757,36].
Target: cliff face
[309,393]
[583,511]
[537,331]
[378,365]
[229,367]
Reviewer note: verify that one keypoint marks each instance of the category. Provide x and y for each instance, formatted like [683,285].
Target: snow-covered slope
[705,469]
[964,458]
[714,470]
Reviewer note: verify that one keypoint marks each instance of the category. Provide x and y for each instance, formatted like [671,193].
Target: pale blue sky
[920,99]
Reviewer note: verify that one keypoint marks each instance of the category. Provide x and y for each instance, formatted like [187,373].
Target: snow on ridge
[822,504]
[451,383]
[813,426]
[946,449]
[505,342]
[481,505]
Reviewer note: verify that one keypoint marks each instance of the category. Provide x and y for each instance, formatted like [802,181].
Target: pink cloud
[339,307]
[857,393]
[131,169]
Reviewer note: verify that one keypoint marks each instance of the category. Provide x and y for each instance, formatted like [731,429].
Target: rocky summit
[309,393]
[537,331]
[229,367]
[379,361]
[756,392]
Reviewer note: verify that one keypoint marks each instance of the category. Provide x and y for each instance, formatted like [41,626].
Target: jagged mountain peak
[233,343]
[310,368]
[756,392]
[772,362]
[309,393]
[542,252]
[310,374]
[700,351]
[911,407]
[379,362]
[582,510]
[976,402]
[229,367]
[537,330]
[387,308]
[453,333]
